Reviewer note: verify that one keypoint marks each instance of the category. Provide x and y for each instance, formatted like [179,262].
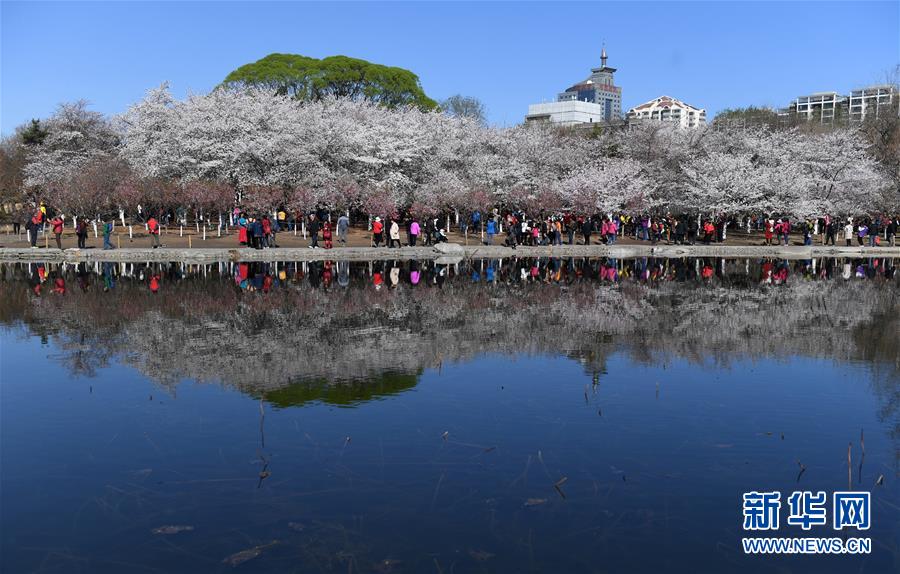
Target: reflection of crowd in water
[266,276]
[58,277]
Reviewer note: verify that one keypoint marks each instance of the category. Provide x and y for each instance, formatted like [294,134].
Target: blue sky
[709,54]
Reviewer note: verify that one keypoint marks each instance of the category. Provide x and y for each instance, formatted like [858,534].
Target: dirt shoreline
[448,252]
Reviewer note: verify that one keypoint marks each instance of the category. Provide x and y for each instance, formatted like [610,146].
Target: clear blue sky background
[710,54]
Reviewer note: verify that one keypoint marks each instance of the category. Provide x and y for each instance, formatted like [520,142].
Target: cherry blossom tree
[607,186]
[79,147]
[273,151]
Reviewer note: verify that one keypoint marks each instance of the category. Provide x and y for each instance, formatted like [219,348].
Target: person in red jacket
[377,232]
[81,231]
[153,228]
[154,283]
[57,223]
[267,232]
[242,228]
[709,231]
[326,234]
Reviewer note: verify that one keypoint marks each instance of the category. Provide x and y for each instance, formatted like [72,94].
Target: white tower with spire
[594,100]
[599,88]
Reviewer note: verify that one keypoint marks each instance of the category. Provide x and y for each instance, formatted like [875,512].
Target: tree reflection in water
[304,331]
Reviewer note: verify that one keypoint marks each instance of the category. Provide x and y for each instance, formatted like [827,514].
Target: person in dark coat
[586,228]
[313,228]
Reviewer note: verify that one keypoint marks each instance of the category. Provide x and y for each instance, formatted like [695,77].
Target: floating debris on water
[239,558]
[387,565]
[535,502]
[481,555]
[445,435]
[880,481]
[172,529]
[561,481]
[297,526]
[242,556]
[802,470]
[264,473]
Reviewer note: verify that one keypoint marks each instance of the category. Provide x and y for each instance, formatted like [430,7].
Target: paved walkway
[445,252]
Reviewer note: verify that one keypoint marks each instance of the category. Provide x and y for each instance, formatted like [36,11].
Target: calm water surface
[554,415]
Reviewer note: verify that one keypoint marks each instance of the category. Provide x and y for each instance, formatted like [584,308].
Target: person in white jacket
[848,232]
[395,234]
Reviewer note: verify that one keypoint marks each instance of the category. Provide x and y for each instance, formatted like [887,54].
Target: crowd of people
[572,229]
[515,226]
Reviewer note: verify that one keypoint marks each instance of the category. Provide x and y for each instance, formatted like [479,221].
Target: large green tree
[311,79]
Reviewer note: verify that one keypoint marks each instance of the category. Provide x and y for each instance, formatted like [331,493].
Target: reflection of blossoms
[306,327]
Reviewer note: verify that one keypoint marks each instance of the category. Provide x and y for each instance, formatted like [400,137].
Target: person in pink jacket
[414,231]
[611,231]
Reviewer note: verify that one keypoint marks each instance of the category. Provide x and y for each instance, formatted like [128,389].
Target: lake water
[553,415]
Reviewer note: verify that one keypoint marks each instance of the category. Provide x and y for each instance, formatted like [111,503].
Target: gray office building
[598,88]
[595,100]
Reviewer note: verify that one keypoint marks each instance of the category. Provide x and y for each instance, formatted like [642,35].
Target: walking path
[447,251]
